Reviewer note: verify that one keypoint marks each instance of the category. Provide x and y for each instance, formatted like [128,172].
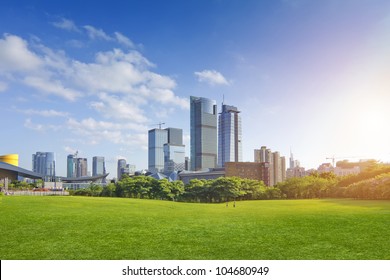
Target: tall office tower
[98,166]
[174,158]
[265,155]
[292,163]
[283,164]
[261,155]
[44,163]
[229,136]
[121,165]
[81,167]
[156,139]
[278,175]
[174,151]
[71,166]
[203,123]
[175,136]
[166,150]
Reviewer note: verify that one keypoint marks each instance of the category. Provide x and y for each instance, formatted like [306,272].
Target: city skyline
[307,76]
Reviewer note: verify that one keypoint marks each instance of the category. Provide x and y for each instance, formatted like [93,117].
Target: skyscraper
[71,166]
[265,155]
[81,167]
[174,151]
[229,136]
[166,150]
[98,166]
[44,163]
[203,125]
[156,139]
[121,165]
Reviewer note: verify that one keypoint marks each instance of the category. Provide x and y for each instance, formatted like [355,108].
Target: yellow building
[12,159]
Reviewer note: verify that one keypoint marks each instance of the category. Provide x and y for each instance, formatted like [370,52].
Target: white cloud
[122,39]
[121,86]
[97,131]
[3,86]
[40,127]
[70,150]
[15,56]
[66,24]
[211,77]
[52,87]
[113,107]
[45,113]
[97,34]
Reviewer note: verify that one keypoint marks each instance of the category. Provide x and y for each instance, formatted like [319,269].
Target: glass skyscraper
[229,136]
[174,151]
[44,163]
[121,166]
[156,140]
[81,167]
[203,123]
[71,166]
[98,166]
[166,150]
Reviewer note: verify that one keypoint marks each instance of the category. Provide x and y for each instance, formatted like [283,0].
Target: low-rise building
[249,170]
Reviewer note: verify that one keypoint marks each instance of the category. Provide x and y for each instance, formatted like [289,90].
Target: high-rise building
[293,163]
[44,163]
[98,166]
[81,167]
[175,136]
[283,164]
[229,135]
[71,166]
[156,139]
[278,168]
[166,150]
[174,158]
[174,151]
[203,125]
[265,155]
[121,165]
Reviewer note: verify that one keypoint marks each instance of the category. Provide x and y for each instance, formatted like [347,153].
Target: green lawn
[119,228]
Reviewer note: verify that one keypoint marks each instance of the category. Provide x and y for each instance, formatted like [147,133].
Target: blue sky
[95,76]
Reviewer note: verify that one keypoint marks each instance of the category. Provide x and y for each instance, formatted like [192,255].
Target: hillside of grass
[118,228]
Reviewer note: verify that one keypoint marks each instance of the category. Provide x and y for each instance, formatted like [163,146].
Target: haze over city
[94,77]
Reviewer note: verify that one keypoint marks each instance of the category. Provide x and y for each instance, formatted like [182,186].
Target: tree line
[373,183]
[197,190]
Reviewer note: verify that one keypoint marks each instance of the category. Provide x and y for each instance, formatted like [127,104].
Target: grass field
[116,228]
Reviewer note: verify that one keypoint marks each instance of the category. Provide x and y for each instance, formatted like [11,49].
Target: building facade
[121,165]
[249,170]
[156,140]
[44,163]
[229,135]
[203,127]
[166,152]
[81,167]
[71,166]
[98,166]
[174,158]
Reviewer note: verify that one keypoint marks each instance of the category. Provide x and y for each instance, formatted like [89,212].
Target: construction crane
[334,158]
[76,154]
[159,124]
